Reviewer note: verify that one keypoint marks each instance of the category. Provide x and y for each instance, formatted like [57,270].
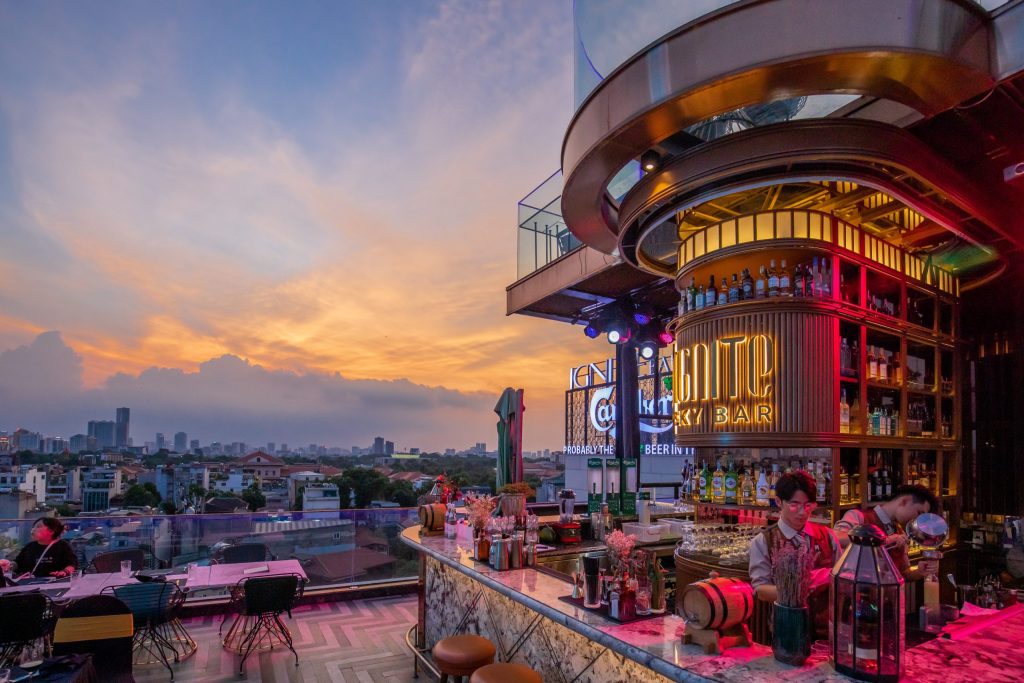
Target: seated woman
[46,555]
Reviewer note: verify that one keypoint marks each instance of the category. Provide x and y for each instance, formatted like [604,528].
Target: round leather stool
[462,655]
[505,673]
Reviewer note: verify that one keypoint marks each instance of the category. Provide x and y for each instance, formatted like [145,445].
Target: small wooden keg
[718,603]
[432,518]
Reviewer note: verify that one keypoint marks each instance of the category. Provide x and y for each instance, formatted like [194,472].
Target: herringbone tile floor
[360,641]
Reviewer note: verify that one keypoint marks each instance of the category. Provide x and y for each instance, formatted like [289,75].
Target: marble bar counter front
[520,612]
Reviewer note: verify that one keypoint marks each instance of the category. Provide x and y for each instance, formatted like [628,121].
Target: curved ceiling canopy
[798,156]
[926,55]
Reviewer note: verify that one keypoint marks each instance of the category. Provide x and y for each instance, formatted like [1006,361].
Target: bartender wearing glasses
[796,498]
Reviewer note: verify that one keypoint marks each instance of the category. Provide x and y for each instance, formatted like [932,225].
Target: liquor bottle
[771,484]
[747,487]
[723,293]
[734,290]
[876,422]
[705,484]
[691,296]
[747,286]
[872,362]
[731,484]
[761,284]
[828,484]
[711,294]
[820,485]
[897,370]
[773,280]
[924,477]
[825,284]
[894,424]
[798,280]
[874,486]
[811,279]
[844,357]
[844,413]
[785,281]
[681,306]
[844,487]
[695,483]
[451,522]
[763,492]
[700,299]
[883,366]
[854,359]
[886,484]
[718,485]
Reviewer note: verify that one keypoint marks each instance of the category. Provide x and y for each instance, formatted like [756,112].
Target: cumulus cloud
[231,399]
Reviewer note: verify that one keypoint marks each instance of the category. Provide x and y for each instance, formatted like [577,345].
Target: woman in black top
[47,554]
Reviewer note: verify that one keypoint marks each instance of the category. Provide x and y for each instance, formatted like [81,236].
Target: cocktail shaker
[591,582]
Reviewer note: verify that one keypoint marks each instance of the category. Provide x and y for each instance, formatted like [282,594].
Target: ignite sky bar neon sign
[729,382]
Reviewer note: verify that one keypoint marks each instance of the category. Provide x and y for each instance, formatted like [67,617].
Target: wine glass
[31,655]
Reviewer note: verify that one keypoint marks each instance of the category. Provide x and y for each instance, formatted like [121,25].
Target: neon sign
[726,383]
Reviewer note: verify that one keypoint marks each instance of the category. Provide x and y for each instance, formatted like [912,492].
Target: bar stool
[462,655]
[505,673]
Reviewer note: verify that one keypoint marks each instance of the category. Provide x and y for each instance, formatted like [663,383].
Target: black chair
[110,562]
[100,625]
[154,607]
[24,619]
[244,552]
[260,602]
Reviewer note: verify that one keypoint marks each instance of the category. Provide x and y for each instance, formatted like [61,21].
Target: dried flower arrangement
[620,547]
[518,488]
[480,508]
[791,567]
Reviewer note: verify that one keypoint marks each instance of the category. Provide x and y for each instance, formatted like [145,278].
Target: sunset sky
[277,221]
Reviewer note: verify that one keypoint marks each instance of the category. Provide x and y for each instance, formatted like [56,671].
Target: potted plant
[791,618]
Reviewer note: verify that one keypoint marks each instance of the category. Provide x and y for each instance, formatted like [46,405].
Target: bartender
[46,555]
[796,498]
[892,516]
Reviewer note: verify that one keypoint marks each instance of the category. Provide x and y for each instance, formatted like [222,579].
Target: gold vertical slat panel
[803,370]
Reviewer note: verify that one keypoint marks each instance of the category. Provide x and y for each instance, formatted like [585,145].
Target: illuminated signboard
[728,383]
[590,409]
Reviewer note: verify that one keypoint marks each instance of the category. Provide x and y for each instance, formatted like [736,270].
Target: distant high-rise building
[389,448]
[193,445]
[121,429]
[378,445]
[449,451]
[161,442]
[284,448]
[180,442]
[480,448]
[104,433]
[271,447]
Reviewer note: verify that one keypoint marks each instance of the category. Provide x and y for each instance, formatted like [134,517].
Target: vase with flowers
[791,619]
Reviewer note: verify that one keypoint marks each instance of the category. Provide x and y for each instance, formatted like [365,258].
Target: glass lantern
[867,623]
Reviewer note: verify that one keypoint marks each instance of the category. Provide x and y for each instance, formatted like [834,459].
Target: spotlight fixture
[591,331]
[618,333]
[650,161]
[641,318]
[665,338]
[648,349]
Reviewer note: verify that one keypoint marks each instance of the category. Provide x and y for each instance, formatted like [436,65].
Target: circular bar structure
[927,56]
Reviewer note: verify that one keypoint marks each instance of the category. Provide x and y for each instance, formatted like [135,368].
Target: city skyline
[193,199]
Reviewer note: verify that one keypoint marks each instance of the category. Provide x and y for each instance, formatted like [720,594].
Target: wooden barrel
[718,603]
[432,516]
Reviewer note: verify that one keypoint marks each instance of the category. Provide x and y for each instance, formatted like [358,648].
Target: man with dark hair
[796,497]
[906,503]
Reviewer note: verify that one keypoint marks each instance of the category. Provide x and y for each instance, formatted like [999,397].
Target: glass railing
[542,235]
[336,549]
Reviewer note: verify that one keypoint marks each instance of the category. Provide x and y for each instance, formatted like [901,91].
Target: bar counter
[520,611]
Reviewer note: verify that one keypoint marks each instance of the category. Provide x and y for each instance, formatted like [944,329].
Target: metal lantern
[868,631]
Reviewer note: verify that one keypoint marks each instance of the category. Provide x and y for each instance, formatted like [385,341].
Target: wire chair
[110,562]
[100,625]
[244,552]
[260,602]
[154,608]
[24,619]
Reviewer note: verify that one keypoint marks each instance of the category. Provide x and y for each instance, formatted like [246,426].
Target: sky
[290,222]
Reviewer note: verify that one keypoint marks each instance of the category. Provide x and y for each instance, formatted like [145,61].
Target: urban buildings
[123,418]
